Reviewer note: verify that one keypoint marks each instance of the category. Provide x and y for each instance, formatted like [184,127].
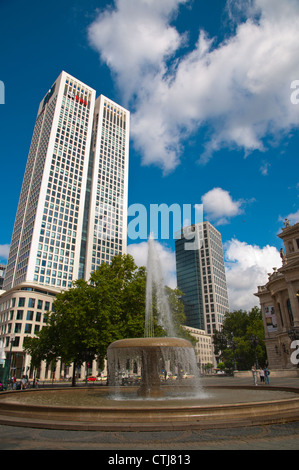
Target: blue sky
[208,85]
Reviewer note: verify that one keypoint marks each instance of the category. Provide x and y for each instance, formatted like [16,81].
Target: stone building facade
[204,348]
[279,300]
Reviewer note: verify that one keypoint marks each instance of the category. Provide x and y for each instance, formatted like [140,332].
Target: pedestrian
[267,373]
[253,370]
[23,382]
[262,375]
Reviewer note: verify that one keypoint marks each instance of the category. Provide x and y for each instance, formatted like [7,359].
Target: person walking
[267,373]
[23,383]
[253,370]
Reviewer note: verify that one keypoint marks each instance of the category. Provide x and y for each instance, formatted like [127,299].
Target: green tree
[120,289]
[177,311]
[233,345]
[45,346]
[91,315]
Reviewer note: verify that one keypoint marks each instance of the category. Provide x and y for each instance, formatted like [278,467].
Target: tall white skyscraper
[72,212]
[105,217]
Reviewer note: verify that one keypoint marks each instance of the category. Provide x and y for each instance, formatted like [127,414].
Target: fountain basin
[152,354]
[222,407]
[148,343]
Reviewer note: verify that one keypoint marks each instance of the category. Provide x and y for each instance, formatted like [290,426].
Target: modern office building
[201,276]
[105,216]
[72,211]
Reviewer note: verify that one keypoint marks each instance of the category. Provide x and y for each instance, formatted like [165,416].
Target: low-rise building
[23,312]
[204,349]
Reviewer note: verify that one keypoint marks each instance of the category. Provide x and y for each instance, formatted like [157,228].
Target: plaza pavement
[268,437]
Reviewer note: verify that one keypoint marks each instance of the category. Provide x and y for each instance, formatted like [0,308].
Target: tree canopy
[91,315]
[234,344]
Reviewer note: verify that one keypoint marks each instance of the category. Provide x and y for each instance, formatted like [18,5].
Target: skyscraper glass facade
[201,277]
[190,283]
[106,215]
[72,209]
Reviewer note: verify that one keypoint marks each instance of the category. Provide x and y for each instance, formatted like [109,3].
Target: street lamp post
[11,340]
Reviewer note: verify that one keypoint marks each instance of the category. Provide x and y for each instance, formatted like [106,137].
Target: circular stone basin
[98,409]
[128,398]
[152,354]
[163,342]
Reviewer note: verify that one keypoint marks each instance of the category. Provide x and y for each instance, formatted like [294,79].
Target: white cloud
[4,251]
[246,268]
[139,252]
[293,217]
[134,39]
[219,206]
[264,169]
[239,88]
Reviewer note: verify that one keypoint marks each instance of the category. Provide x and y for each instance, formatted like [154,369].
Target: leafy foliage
[91,315]
[233,343]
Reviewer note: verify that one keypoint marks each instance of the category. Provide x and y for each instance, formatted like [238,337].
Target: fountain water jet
[152,353]
[155,289]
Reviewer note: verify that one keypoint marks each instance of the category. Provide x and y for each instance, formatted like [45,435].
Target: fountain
[154,354]
[154,405]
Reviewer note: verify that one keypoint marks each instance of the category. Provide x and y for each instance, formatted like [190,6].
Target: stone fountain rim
[150,343]
[254,413]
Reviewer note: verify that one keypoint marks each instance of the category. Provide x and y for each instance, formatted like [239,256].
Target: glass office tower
[72,208]
[105,216]
[201,276]
[72,211]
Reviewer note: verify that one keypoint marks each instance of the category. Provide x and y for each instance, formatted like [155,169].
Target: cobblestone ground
[275,437]
[271,437]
